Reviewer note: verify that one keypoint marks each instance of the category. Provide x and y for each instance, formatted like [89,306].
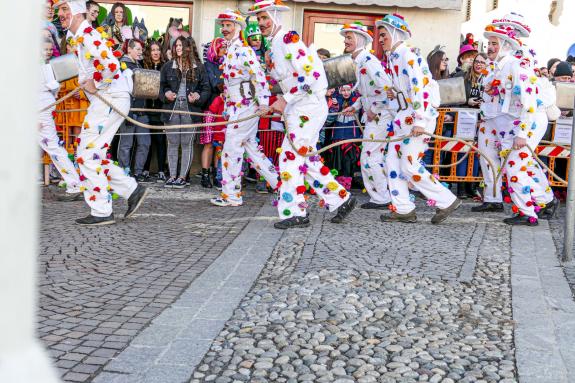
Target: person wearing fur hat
[415,91]
[246,92]
[303,81]
[100,72]
[512,123]
[372,84]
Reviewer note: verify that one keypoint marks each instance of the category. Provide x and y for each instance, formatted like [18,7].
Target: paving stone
[107,285]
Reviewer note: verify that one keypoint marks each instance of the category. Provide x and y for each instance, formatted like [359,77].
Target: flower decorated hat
[233,16]
[76,6]
[506,33]
[359,28]
[267,5]
[515,21]
[395,21]
[253,29]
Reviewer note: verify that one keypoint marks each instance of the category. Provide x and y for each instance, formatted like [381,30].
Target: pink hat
[464,49]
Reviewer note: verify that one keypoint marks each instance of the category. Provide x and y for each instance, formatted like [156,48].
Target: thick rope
[496,175]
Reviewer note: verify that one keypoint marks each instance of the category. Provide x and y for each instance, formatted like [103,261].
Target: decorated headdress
[395,22]
[233,16]
[505,33]
[267,5]
[465,49]
[358,28]
[76,6]
[253,29]
[515,21]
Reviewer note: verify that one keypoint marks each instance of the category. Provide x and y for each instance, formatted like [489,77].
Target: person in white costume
[100,72]
[47,135]
[513,85]
[300,74]
[416,91]
[246,92]
[378,112]
[542,192]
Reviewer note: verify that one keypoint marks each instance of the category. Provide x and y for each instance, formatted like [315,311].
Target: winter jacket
[170,78]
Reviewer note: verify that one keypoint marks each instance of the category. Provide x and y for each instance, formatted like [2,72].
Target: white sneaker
[224,202]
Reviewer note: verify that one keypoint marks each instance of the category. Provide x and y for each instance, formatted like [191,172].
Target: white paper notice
[563,129]
[466,125]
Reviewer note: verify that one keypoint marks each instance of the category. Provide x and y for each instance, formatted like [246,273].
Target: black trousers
[159,146]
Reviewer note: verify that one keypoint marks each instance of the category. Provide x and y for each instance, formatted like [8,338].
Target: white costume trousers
[304,119]
[240,138]
[489,137]
[404,164]
[528,185]
[373,160]
[50,143]
[101,177]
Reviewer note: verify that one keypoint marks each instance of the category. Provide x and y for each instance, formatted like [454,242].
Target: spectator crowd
[191,80]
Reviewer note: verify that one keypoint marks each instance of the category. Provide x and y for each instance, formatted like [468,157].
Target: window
[322,29]
[155,14]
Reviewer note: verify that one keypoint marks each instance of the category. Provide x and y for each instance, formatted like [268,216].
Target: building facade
[433,22]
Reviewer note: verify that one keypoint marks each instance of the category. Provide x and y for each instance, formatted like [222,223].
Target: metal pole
[570,203]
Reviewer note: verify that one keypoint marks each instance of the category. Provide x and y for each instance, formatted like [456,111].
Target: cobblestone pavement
[365,302]
[99,287]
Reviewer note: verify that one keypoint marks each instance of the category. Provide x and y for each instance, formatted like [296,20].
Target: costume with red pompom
[516,91]
[301,76]
[99,62]
[372,83]
[245,88]
[47,135]
[411,77]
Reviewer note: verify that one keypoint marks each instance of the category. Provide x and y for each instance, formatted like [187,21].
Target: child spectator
[344,158]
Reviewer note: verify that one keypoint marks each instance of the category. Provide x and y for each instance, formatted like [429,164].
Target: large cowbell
[339,70]
[146,84]
[65,67]
[565,95]
[452,91]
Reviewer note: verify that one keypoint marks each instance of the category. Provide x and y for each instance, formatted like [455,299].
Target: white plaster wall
[548,40]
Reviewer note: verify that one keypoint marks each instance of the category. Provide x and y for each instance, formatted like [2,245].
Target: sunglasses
[256,38]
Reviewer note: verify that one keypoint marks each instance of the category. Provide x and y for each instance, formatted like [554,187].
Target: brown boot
[396,217]
[442,214]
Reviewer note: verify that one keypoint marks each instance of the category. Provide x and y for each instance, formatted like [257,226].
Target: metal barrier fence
[452,122]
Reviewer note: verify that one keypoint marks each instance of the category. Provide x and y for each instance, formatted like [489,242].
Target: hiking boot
[96,221]
[521,220]
[442,214]
[224,202]
[135,200]
[488,207]
[292,223]
[205,182]
[375,206]
[344,210]
[410,217]
[550,210]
